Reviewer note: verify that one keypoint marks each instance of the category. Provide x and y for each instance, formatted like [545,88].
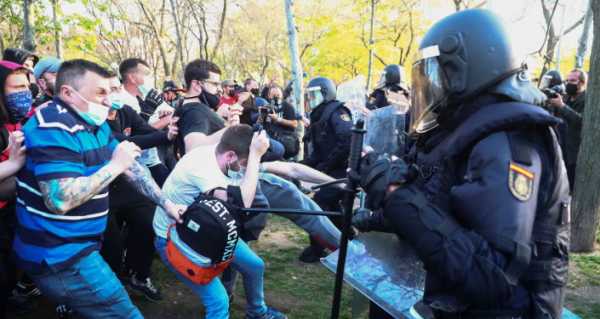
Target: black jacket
[570,129]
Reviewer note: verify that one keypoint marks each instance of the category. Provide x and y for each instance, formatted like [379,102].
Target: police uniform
[487,204]
[329,134]
[330,131]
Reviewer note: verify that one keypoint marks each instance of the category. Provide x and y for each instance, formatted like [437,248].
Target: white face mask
[147,86]
[96,113]
[117,101]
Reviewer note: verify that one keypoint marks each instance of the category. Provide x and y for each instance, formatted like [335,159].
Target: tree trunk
[583,39]
[586,208]
[220,32]
[296,70]
[294,57]
[371,44]
[28,34]
[179,51]
[56,26]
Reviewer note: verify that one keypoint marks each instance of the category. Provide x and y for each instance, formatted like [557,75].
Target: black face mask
[212,100]
[255,92]
[571,89]
[35,90]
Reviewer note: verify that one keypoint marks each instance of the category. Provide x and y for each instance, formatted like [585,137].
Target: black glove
[153,100]
[377,174]
[366,220]
[361,219]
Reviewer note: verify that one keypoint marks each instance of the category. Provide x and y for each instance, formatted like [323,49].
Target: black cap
[169,86]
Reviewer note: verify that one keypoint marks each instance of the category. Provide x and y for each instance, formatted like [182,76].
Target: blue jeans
[275,151]
[89,287]
[282,193]
[213,295]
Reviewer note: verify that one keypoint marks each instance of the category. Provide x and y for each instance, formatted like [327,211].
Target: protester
[170,93]
[238,148]
[63,194]
[282,122]
[128,205]
[199,124]
[21,56]
[14,98]
[248,100]
[141,96]
[569,108]
[229,96]
[45,75]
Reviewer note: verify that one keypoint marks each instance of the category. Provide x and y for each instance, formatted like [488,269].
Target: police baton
[348,204]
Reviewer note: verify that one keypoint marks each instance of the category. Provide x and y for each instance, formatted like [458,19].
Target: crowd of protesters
[86,152]
[98,165]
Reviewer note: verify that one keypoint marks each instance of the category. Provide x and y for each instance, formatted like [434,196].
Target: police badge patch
[520,182]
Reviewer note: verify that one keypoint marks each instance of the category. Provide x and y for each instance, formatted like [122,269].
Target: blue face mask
[18,105]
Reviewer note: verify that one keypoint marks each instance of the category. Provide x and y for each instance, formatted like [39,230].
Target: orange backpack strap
[201,275]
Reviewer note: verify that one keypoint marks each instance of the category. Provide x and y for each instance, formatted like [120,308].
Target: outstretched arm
[139,176]
[297,171]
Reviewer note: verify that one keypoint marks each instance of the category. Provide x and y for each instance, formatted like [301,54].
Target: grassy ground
[304,291]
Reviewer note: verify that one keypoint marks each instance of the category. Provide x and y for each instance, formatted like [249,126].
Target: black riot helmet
[392,77]
[320,90]
[551,79]
[460,57]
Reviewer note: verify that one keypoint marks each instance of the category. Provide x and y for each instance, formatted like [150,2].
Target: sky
[524,20]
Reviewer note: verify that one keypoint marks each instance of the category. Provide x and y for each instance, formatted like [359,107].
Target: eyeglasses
[214,83]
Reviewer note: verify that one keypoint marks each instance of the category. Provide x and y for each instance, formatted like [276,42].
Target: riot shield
[385,270]
[386,130]
[354,96]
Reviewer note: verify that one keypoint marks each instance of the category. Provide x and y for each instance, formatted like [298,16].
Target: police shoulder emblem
[346,117]
[520,182]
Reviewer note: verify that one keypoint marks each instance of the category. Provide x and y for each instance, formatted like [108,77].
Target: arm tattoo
[63,194]
[139,176]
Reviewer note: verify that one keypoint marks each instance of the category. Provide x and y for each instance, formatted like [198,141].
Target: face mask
[116,101]
[96,113]
[18,105]
[50,88]
[212,100]
[233,174]
[571,88]
[144,89]
[276,101]
[255,92]
[35,90]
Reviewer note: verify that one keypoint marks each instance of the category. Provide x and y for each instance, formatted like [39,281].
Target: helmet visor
[314,96]
[429,90]
[545,81]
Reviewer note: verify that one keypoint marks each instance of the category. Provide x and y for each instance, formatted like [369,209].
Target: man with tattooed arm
[62,202]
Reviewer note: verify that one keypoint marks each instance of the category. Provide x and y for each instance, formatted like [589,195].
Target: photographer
[282,122]
[570,108]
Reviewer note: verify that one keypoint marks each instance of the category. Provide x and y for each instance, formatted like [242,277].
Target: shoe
[146,287]
[63,312]
[311,255]
[26,290]
[271,313]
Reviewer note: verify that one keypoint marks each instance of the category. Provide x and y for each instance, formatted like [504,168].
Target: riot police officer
[330,131]
[392,79]
[483,194]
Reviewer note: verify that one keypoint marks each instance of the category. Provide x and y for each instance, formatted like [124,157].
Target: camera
[554,91]
[237,89]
